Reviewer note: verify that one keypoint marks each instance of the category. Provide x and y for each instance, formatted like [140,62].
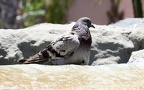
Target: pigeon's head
[86,21]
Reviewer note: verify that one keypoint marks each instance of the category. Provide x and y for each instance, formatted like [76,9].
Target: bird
[71,48]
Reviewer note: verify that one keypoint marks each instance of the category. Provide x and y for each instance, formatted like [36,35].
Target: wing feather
[66,45]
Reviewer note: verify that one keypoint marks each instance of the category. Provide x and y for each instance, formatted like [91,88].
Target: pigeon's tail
[33,59]
[39,58]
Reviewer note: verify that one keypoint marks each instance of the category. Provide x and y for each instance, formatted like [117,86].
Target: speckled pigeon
[72,48]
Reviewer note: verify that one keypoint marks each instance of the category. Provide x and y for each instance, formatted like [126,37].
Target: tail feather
[30,61]
[37,59]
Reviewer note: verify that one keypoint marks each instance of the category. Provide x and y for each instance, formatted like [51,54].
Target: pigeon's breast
[82,54]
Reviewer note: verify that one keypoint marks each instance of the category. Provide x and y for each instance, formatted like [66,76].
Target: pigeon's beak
[92,26]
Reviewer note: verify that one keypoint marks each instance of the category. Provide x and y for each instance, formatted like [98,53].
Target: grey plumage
[72,48]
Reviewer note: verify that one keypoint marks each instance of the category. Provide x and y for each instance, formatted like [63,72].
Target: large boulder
[72,77]
[110,44]
[19,43]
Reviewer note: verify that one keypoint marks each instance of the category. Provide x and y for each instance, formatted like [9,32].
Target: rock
[137,58]
[16,44]
[130,23]
[72,77]
[137,37]
[110,44]
[108,60]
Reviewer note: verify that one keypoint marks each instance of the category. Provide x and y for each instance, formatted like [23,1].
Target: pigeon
[71,48]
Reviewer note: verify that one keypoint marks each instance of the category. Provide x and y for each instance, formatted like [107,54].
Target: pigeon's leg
[84,62]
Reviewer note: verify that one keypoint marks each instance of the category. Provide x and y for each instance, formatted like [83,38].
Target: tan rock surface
[72,77]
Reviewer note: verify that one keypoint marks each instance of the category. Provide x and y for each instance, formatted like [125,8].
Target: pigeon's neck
[83,33]
[87,41]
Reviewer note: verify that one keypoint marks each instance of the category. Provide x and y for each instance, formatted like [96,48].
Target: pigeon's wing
[61,48]
[65,46]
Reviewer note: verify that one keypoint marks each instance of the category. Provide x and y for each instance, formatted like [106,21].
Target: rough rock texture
[16,44]
[137,37]
[137,58]
[71,77]
[110,44]
[130,23]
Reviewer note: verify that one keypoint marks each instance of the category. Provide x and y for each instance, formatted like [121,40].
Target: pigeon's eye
[72,33]
[86,21]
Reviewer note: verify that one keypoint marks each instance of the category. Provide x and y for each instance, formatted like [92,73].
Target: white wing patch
[66,45]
